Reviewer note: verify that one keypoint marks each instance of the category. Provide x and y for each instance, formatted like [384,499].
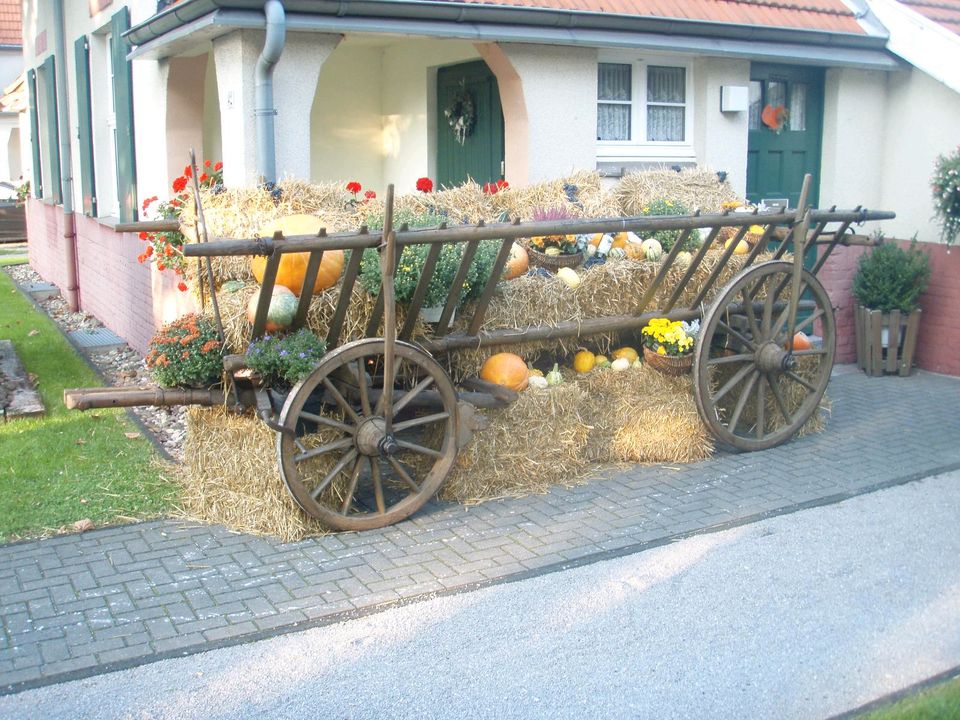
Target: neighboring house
[11,65]
[361,89]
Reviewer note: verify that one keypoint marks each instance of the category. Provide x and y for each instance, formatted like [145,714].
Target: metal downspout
[66,162]
[264,111]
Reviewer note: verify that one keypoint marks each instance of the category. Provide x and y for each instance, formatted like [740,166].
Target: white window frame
[638,148]
[104,123]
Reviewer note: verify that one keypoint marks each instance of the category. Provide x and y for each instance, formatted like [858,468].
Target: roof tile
[11,22]
[826,15]
[944,12]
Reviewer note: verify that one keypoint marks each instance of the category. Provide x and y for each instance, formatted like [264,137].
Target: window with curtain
[641,103]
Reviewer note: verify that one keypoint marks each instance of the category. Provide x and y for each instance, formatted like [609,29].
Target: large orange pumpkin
[518,262]
[506,369]
[801,342]
[293,266]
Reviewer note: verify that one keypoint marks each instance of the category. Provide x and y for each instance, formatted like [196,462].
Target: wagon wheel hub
[770,357]
[371,436]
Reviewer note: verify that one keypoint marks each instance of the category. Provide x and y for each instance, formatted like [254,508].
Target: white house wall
[212,141]
[921,123]
[720,139]
[408,106]
[346,119]
[853,154]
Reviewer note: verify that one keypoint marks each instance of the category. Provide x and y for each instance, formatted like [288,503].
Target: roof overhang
[182,27]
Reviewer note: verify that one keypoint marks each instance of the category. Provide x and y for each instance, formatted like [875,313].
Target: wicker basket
[554,262]
[668,364]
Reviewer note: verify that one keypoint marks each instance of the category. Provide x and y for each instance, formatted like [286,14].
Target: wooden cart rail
[826,228]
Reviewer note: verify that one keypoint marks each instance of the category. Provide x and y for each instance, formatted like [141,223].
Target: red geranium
[494,188]
[180,184]
[188,171]
[424,184]
[353,187]
[182,286]
[370,195]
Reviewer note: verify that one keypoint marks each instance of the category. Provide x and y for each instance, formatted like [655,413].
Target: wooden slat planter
[873,357]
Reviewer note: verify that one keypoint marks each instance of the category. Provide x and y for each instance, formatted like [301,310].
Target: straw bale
[537,442]
[230,477]
[696,188]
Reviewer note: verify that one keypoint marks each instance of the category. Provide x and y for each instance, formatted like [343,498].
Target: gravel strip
[120,368]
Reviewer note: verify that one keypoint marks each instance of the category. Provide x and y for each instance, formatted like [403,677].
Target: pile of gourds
[511,371]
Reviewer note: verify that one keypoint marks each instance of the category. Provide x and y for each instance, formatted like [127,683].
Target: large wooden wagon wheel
[752,389]
[356,457]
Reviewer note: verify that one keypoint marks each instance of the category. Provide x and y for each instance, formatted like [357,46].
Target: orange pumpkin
[293,266]
[801,342]
[635,251]
[620,240]
[506,369]
[518,262]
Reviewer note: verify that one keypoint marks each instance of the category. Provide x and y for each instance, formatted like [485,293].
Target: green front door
[469,93]
[778,157]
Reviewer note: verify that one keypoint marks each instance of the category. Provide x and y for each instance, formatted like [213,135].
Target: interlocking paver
[72,603]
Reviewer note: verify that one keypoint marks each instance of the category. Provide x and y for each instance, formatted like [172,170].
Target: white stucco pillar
[236,56]
[185,96]
[295,84]
[720,139]
[556,88]
[852,163]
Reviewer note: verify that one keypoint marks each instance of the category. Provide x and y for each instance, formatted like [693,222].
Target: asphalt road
[801,616]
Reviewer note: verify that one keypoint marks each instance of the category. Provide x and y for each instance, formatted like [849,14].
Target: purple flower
[283,353]
[302,356]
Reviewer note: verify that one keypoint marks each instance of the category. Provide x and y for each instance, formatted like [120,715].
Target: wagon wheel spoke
[742,402]
[796,378]
[413,447]
[778,399]
[324,449]
[411,394]
[379,409]
[352,487]
[809,321]
[336,460]
[732,382]
[331,388]
[364,391]
[329,422]
[727,359]
[761,408]
[337,469]
[738,335]
[751,315]
[731,391]
[403,473]
[423,420]
[377,484]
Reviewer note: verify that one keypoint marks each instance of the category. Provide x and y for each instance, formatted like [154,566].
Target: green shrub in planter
[285,360]
[890,278]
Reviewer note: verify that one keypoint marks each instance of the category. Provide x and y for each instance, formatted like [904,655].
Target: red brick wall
[938,345]
[131,299]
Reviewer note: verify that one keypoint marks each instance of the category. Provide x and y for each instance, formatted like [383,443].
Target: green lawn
[68,465]
[939,702]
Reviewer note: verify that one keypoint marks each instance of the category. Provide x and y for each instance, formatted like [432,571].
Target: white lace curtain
[666,100]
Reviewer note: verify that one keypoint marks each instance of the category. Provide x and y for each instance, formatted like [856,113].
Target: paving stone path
[74,606]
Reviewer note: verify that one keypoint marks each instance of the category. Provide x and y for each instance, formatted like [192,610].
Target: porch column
[236,56]
[295,86]
[552,92]
[184,80]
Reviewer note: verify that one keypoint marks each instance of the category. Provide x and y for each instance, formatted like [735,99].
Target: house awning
[180,28]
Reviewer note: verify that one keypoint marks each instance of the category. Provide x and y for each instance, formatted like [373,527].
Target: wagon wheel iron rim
[752,390]
[335,457]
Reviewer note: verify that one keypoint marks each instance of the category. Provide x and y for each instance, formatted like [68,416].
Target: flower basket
[668,364]
[554,262]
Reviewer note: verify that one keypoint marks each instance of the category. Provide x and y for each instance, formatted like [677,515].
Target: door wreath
[775,117]
[461,114]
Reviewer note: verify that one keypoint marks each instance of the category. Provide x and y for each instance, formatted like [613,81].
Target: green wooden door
[777,161]
[470,92]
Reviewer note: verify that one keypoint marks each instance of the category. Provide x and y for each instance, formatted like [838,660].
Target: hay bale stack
[230,477]
[641,415]
[696,188]
[582,193]
[537,442]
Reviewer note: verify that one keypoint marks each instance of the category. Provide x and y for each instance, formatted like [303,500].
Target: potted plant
[281,361]
[413,258]
[186,353]
[887,287]
[668,345]
[553,252]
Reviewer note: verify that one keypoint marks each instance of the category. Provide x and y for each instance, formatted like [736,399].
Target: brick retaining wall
[938,345]
[129,298]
